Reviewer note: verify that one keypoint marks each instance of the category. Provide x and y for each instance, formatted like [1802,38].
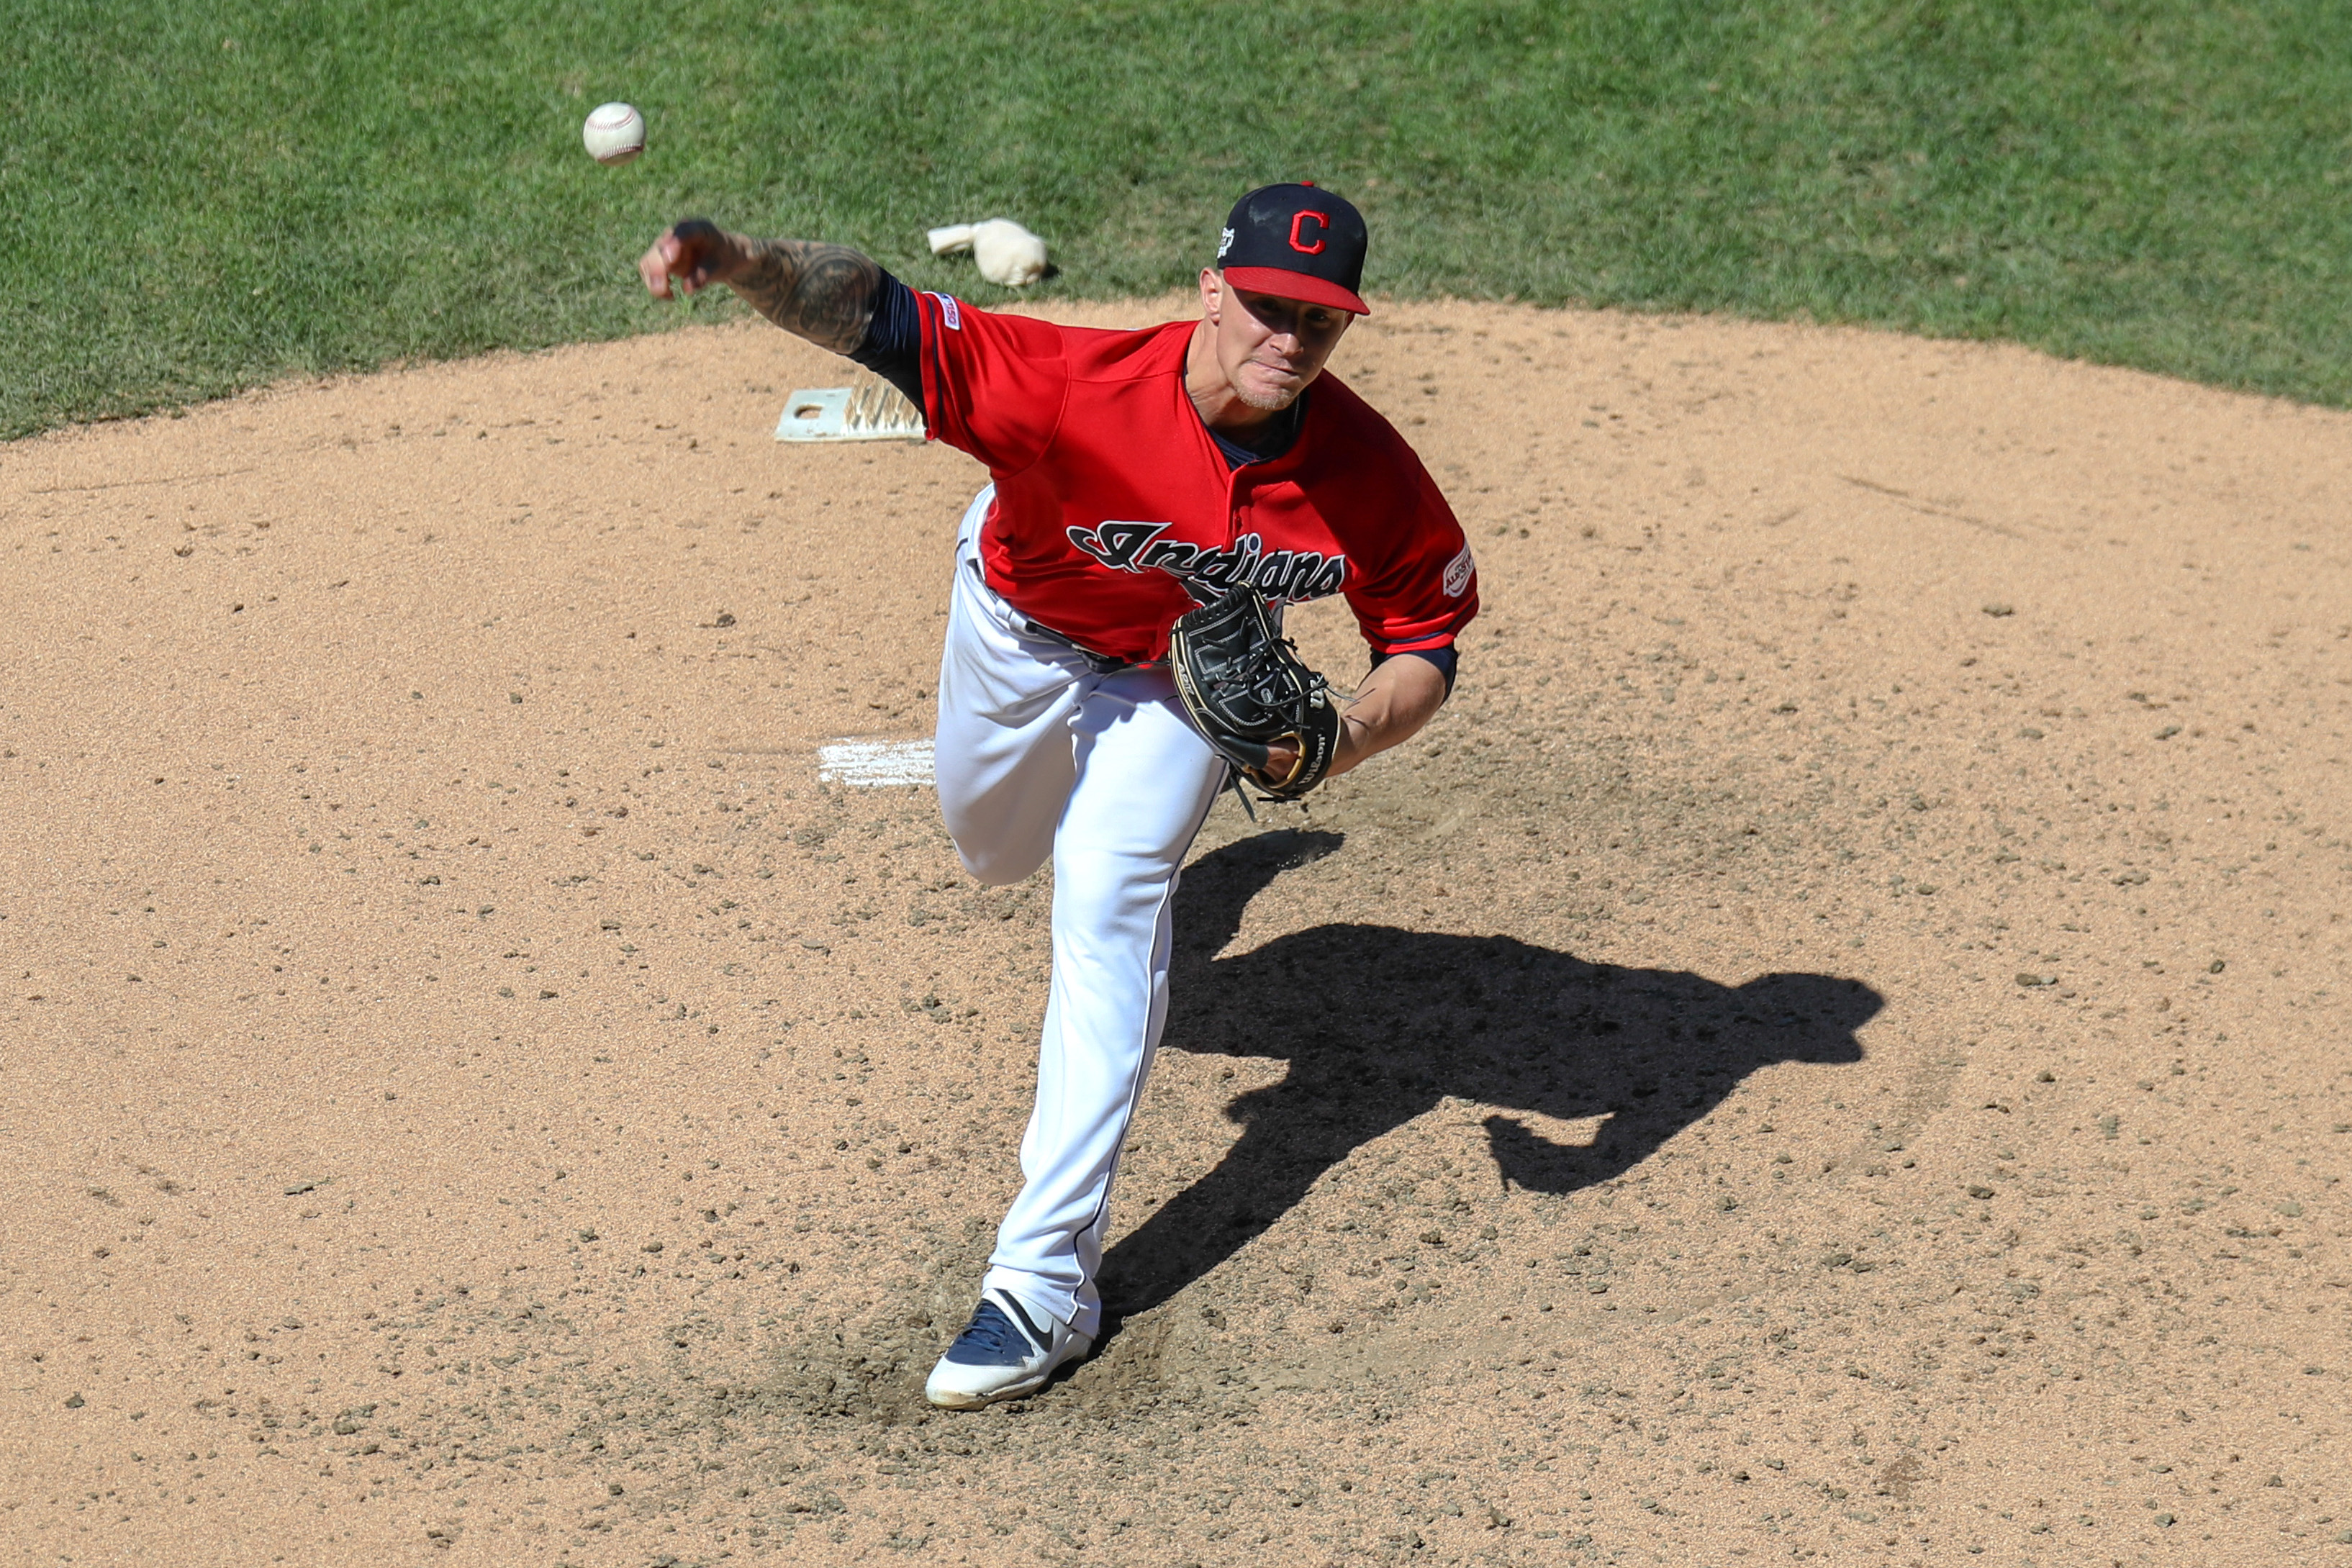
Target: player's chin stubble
[1267,402]
[1271,400]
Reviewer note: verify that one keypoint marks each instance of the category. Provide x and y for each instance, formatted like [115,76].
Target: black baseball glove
[1245,687]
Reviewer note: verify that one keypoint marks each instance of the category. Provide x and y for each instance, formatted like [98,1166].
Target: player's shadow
[1382,1024]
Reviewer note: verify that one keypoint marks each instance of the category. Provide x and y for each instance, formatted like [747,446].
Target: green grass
[201,196]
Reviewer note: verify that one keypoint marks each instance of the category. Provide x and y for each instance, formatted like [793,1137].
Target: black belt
[1101,664]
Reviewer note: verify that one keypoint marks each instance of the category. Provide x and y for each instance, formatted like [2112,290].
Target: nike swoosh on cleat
[1041,1338]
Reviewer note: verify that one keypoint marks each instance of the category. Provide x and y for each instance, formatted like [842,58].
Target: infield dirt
[1831,1046]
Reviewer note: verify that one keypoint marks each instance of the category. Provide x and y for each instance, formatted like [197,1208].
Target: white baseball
[614,133]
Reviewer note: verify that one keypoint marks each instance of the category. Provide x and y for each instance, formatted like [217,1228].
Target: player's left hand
[1281,758]
[1281,762]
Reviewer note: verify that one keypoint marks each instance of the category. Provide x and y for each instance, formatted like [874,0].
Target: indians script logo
[1286,577]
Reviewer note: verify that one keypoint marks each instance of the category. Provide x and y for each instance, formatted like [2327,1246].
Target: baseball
[614,133]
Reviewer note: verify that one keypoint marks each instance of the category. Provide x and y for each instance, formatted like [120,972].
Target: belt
[1101,664]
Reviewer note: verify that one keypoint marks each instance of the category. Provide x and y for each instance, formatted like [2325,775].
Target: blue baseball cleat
[1009,1349]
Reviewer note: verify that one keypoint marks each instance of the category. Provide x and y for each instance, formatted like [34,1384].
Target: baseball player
[1135,477]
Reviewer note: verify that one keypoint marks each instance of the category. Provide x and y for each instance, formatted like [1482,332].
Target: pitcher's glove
[1245,686]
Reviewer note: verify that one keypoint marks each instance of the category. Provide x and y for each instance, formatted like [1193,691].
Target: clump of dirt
[1826,1047]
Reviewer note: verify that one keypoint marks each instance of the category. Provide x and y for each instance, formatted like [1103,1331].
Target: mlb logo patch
[1458,573]
[949,312]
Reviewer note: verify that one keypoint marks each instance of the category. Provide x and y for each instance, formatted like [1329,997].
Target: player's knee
[1112,886]
[996,867]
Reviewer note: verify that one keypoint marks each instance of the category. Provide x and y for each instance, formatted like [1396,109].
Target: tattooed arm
[825,293]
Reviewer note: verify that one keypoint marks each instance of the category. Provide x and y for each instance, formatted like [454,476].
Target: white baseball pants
[1039,754]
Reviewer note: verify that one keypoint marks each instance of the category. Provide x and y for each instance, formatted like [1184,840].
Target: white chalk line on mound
[874,764]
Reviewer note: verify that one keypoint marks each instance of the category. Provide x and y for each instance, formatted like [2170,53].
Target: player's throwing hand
[689,257]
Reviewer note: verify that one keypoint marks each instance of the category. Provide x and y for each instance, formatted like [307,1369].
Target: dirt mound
[1831,1045]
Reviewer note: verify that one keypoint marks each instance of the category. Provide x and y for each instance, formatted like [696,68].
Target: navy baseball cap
[1298,242]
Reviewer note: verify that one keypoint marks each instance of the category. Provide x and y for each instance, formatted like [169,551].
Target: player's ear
[1213,293]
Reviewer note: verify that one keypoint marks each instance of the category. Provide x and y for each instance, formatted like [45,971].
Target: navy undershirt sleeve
[893,348]
[1445,659]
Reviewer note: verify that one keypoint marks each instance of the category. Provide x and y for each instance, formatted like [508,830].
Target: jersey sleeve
[993,385]
[1424,590]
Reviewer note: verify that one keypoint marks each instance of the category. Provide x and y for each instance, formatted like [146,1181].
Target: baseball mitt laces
[1266,690]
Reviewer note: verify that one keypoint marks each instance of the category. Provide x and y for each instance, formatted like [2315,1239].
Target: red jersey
[1116,511]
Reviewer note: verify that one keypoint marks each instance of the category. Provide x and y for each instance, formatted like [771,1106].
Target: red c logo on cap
[1297,220]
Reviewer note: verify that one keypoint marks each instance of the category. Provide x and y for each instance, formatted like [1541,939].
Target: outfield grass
[206,195]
